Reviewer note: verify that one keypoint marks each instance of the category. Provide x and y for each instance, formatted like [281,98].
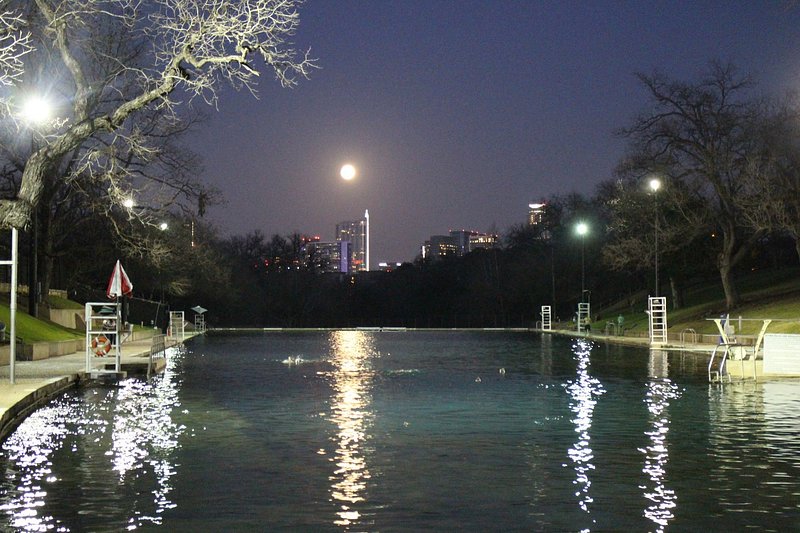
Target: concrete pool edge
[37,394]
[39,381]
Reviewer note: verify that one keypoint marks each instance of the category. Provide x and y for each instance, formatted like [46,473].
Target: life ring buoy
[101,345]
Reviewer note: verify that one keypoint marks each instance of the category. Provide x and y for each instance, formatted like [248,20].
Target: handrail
[688,330]
[158,346]
[721,363]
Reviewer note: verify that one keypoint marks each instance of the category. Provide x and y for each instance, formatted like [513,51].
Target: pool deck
[38,381]
[643,342]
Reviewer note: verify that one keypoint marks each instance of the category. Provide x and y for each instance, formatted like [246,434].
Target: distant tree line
[728,164]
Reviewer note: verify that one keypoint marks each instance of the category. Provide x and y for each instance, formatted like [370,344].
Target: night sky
[457,114]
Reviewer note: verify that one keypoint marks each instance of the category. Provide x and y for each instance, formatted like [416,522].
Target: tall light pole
[582,229]
[655,185]
[36,111]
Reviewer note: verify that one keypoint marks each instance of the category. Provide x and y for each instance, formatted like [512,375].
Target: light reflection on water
[660,391]
[128,427]
[583,392]
[387,431]
[352,353]
[756,449]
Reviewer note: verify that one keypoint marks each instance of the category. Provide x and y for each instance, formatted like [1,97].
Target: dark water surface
[411,431]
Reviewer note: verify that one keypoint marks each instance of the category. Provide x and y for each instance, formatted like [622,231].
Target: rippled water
[367,431]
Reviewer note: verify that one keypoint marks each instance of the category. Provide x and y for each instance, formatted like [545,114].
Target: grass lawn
[31,329]
[771,294]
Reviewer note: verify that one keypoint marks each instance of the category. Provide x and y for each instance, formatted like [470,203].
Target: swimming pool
[410,431]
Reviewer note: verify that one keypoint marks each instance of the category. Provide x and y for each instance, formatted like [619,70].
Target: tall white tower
[366,217]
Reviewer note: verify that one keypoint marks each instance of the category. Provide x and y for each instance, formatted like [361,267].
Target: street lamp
[655,185]
[582,229]
[36,111]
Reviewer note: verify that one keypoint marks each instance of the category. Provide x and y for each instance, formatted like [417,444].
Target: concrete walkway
[38,381]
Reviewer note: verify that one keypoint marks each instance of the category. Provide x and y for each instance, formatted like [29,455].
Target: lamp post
[655,185]
[36,112]
[582,229]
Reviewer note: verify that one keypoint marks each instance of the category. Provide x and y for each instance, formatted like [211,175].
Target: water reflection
[583,392]
[128,429]
[29,451]
[144,434]
[755,450]
[350,411]
[660,390]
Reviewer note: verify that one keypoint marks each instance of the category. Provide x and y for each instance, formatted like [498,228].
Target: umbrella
[119,284]
[199,310]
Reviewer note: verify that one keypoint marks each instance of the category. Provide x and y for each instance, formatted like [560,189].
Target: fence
[158,350]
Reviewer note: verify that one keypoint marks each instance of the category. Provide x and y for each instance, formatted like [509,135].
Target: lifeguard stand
[547,324]
[657,320]
[176,330]
[102,334]
[200,323]
[584,312]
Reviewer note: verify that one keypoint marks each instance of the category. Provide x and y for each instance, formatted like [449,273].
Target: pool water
[410,431]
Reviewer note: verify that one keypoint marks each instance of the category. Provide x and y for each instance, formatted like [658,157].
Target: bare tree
[149,55]
[15,43]
[773,199]
[633,210]
[702,135]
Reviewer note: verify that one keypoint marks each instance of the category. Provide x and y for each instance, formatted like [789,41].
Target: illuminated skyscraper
[356,232]
[536,213]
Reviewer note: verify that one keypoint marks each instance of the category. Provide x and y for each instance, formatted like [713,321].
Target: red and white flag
[119,284]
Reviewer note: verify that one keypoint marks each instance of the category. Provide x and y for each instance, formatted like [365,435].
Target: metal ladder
[658,319]
[715,376]
[547,324]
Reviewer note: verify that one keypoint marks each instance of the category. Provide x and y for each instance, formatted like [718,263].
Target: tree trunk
[46,253]
[797,247]
[677,292]
[728,284]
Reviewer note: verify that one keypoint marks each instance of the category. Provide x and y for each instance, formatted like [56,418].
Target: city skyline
[463,123]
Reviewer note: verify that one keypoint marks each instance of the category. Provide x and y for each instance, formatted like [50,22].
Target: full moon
[348,172]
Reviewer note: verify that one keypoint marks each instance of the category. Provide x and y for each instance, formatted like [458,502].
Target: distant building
[328,256]
[536,213]
[461,239]
[356,233]
[388,267]
[482,240]
[457,244]
[468,241]
[439,247]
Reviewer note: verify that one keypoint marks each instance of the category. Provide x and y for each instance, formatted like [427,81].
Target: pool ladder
[715,376]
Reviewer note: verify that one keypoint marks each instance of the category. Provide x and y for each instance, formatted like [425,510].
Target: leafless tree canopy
[705,137]
[14,44]
[118,64]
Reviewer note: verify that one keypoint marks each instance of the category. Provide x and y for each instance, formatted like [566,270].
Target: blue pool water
[412,431]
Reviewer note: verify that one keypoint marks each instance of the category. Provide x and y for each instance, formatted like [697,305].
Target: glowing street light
[36,110]
[655,185]
[582,229]
[163,226]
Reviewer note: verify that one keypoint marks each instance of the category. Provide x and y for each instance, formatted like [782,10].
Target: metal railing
[158,350]
[687,331]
